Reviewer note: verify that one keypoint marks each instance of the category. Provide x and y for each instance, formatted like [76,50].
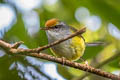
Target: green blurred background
[21,20]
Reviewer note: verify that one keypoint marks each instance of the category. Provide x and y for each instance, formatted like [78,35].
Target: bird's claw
[63,60]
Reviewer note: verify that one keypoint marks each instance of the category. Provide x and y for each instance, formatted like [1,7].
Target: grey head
[58,31]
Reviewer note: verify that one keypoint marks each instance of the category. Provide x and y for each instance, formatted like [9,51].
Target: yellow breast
[78,46]
[76,49]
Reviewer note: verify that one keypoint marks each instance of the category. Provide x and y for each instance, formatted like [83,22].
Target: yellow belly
[72,51]
[78,45]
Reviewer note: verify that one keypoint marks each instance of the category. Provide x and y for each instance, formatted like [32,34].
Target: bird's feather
[87,43]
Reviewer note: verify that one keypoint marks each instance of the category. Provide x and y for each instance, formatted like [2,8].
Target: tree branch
[17,44]
[8,48]
[101,65]
[12,49]
[37,50]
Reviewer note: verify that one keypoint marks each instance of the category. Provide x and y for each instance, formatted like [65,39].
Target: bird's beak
[44,28]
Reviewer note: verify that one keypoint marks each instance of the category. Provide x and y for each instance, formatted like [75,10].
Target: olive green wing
[88,43]
[74,30]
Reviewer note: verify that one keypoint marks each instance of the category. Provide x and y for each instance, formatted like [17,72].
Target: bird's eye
[56,27]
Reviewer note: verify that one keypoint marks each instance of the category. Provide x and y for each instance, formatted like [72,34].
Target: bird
[71,49]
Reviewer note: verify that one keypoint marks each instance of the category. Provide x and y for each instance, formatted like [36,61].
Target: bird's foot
[63,60]
[85,62]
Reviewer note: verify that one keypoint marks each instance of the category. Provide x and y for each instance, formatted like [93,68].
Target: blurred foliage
[107,10]
[64,71]
[95,49]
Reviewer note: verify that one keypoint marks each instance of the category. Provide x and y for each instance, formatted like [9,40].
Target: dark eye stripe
[56,26]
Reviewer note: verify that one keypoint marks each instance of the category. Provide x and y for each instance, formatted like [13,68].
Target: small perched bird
[71,49]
